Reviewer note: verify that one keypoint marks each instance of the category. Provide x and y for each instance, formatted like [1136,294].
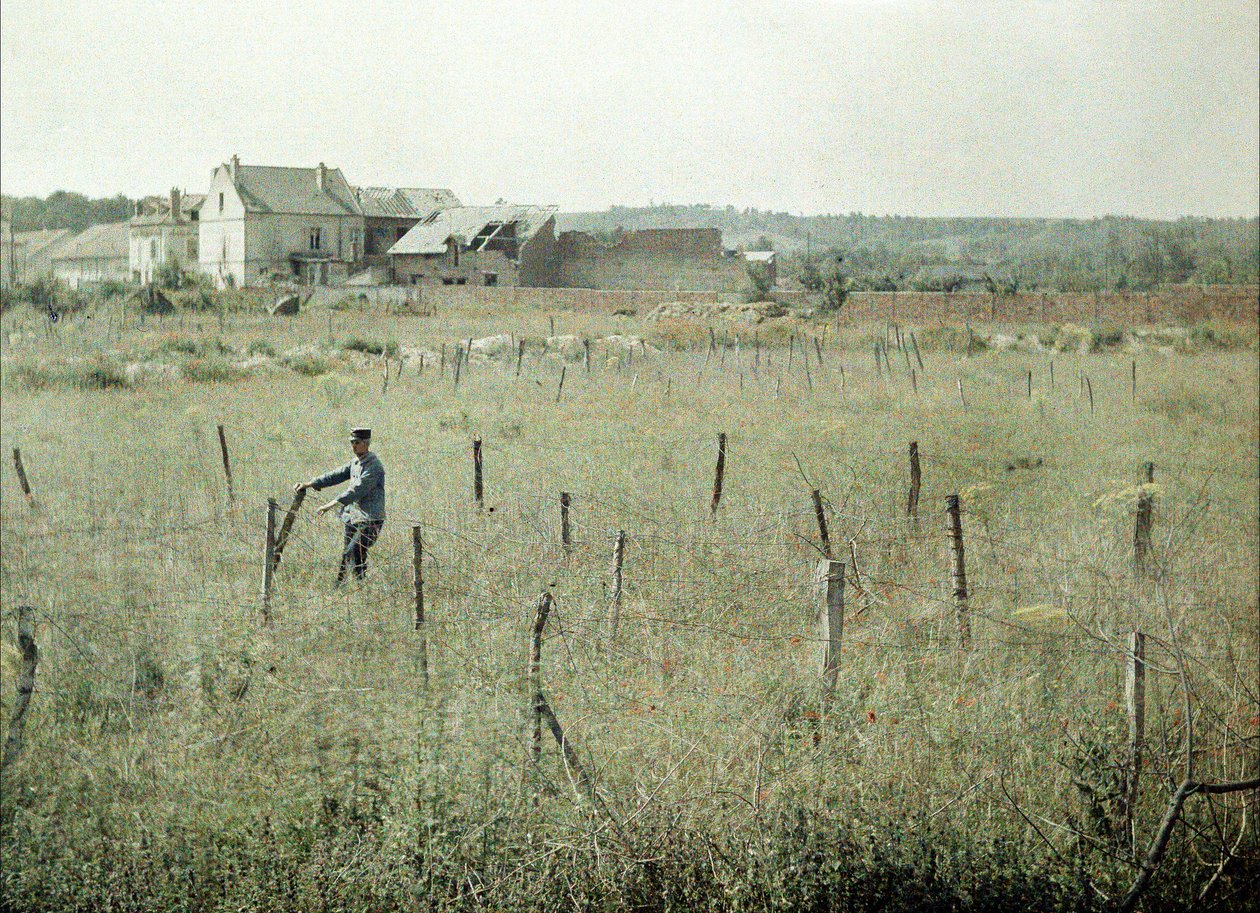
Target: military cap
[360,434]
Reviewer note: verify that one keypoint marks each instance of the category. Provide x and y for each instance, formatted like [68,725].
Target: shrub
[211,370]
[369,346]
[261,347]
[308,364]
[97,374]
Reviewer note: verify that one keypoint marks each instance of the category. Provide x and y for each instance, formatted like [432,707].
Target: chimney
[234,165]
[175,214]
[321,176]
[138,205]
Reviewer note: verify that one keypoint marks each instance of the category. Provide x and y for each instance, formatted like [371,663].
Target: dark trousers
[359,537]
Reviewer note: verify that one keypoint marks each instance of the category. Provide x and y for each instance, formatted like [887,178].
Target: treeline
[65,209]
[946,254]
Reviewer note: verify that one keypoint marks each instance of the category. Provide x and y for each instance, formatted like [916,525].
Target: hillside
[903,252]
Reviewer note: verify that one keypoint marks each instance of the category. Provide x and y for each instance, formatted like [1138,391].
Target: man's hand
[323,509]
[301,486]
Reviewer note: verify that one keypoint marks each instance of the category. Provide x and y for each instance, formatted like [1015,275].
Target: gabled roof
[759,256]
[468,223]
[403,202]
[106,241]
[33,243]
[264,188]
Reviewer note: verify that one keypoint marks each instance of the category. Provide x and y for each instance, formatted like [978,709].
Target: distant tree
[761,280]
[811,278]
[762,243]
[835,288]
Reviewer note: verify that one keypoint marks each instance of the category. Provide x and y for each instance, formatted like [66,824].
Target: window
[491,279]
[192,248]
[315,239]
[153,248]
[455,253]
[399,232]
[220,203]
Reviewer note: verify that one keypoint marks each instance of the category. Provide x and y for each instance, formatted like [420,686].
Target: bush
[97,374]
[211,370]
[308,364]
[369,347]
[261,347]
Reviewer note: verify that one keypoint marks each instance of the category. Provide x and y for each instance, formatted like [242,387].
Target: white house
[263,224]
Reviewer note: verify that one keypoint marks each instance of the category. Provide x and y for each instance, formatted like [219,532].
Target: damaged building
[505,246]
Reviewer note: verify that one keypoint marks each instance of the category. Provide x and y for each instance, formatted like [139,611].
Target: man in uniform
[362,504]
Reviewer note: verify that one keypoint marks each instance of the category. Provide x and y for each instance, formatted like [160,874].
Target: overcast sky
[878,106]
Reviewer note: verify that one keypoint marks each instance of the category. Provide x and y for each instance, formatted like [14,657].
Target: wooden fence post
[1133,381]
[821,516]
[287,526]
[916,481]
[269,561]
[560,386]
[586,354]
[535,675]
[565,539]
[25,686]
[961,397]
[917,357]
[619,557]
[962,619]
[830,580]
[720,472]
[22,480]
[1029,383]
[417,584]
[1142,520]
[1135,704]
[520,354]
[478,493]
[1089,388]
[459,361]
[227,465]
[1052,375]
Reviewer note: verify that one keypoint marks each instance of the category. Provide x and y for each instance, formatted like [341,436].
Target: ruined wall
[664,259]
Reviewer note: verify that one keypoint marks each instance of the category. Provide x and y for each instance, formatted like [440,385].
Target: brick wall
[675,259]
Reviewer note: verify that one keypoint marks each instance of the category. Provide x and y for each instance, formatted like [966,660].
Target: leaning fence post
[269,561]
[916,481]
[417,583]
[719,473]
[821,516]
[619,557]
[1142,520]
[1135,704]
[560,386]
[961,397]
[478,493]
[520,354]
[961,618]
[830,580]
[227,465]
[25,686]
[21,474]
[283,539]
[535,675]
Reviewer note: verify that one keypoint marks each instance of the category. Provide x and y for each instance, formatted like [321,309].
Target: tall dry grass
[181,751]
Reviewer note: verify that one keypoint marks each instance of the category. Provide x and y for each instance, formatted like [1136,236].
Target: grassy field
[182,754]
